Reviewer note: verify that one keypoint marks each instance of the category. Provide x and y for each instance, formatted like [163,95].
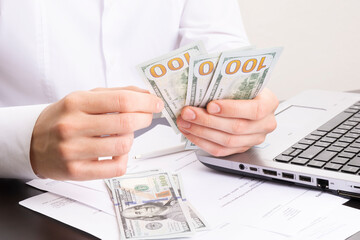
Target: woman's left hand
[230,126]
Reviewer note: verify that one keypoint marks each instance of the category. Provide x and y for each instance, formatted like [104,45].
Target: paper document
[73,213]
[234,206]
[89,196]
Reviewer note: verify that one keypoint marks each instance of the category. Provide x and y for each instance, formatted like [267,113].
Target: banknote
[201,71]
[167,77]
[197,221]
[148,206]
[241,74]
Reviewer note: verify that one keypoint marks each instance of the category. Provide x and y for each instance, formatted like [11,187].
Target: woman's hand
[229,126]
[71,134]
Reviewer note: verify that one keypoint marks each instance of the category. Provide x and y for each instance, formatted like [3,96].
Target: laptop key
[335,148]
[350,169]
[316,164]
[283,158]
[345,127]
[346,139]
[355,145]
[339,160]
[333,166]
[299,161]
[340,131]
[355,130]
[312,137]
[300,146]
[346,155]
[334,135]
[296,152]
[350,123]
[327,139]
[311,152]
[351,135]
[334,122]
[352,149]
[355,162]
[318,133]
[322,144]
[354,119]
[341,144]
[306,141]
[325,156]
[288,151]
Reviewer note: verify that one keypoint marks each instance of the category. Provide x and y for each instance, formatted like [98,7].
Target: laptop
[316,144]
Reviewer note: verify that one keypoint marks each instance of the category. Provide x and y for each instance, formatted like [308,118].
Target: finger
[200,116]
[97,102]
[131,88]
[213,148]
[95,169]
[110,124]
[255,109]
[222,138]
[95,147]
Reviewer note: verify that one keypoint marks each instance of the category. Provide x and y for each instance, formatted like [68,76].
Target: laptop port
[241,166]
[269,172]
[305,178]
[322,183]
[253,169]
[288,175]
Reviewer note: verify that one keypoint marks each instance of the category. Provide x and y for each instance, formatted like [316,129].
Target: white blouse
[51,48]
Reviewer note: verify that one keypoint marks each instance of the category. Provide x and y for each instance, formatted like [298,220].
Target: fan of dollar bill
[152,205]
[190,76]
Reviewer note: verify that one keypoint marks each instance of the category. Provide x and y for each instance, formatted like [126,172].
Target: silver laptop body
[296,118]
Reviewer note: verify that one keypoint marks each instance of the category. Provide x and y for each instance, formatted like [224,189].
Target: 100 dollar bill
[148,206]
[167,77]
[241,75]
[201,71]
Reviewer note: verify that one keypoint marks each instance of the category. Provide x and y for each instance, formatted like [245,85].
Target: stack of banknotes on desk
[189,76]
[152,205]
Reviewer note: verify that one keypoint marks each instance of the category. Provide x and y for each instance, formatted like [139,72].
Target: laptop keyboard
[335,146]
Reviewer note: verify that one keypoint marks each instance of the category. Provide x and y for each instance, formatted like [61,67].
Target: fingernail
[213,108]
[188,114]
[184,124]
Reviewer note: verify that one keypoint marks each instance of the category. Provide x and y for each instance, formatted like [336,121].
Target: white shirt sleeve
[16,125]
[217,24]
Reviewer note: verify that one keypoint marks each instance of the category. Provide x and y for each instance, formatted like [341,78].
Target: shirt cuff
[16,125]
